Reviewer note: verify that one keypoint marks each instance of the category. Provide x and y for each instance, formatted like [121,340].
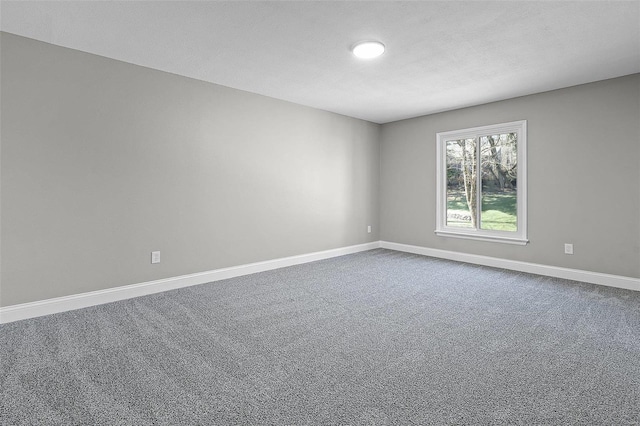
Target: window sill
[480,237]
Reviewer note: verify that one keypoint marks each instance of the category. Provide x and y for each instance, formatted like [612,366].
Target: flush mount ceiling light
[368,49]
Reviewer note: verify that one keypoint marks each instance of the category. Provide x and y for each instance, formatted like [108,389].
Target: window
[482,183]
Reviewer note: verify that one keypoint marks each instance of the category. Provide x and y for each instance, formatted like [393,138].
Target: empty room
[319,212]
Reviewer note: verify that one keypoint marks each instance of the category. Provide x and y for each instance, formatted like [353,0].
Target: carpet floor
[378,337]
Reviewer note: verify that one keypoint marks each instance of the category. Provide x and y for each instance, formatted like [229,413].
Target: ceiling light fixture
[368,49]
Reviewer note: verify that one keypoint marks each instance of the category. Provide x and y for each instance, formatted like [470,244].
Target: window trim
[520,236]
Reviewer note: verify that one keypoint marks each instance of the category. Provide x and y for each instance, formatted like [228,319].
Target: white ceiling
[440,55]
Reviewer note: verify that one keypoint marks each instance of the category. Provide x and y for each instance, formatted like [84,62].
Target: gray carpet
[379,337]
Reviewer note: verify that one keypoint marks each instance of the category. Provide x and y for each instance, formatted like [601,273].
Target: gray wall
[103,162]
[584,178]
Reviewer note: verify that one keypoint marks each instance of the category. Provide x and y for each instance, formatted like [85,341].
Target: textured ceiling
[440,55]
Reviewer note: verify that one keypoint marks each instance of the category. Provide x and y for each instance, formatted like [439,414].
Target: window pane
[461,183]
[499,162]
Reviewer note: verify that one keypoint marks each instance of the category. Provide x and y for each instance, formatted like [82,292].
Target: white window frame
[517,237]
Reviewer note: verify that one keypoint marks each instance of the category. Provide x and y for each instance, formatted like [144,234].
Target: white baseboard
[84,300]
[532,268]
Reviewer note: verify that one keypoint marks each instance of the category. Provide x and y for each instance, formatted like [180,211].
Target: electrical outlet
[155,257]
[369,229]
[568,249]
